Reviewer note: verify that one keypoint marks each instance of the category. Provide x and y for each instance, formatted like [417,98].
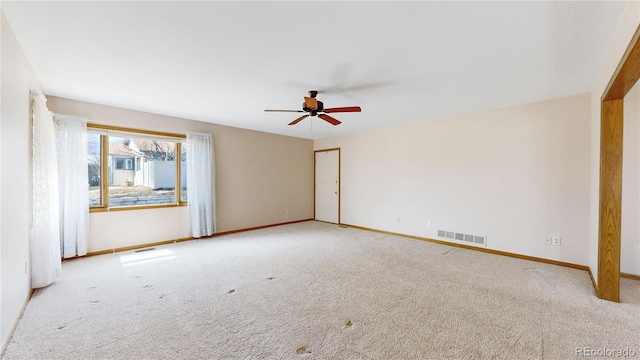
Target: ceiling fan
[315,107]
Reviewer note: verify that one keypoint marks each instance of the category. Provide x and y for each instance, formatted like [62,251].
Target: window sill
[140,207]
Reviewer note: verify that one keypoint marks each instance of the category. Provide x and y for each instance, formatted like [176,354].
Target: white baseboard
[14,325]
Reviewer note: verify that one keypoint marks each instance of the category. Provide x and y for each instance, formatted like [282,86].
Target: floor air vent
[466,238]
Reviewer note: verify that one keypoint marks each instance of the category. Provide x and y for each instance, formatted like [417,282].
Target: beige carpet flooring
[319,291]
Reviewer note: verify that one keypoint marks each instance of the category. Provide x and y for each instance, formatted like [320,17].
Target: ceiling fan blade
[329,119]
[311,102]
[297,111]
[343,109]
[298,119]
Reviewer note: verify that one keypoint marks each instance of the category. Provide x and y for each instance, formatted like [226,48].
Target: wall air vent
[466,238]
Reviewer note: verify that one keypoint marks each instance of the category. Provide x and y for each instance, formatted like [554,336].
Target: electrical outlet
[555,240]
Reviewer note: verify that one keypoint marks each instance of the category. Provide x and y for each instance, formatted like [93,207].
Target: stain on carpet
[348,324]
[94,301]
[148,287]
[232,291]
[303,351]
[270,278]
[447,252]
[60,327]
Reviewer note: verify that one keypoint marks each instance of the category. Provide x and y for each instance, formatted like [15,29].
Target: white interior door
[328,185]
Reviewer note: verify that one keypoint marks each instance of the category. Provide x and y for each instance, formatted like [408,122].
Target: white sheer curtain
[45,237]
[71,144]
[201,184]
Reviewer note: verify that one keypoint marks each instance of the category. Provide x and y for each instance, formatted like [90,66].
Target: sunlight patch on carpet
[147,257]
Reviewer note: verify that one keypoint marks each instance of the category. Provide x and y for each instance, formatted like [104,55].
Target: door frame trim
[610,185]
[339,180]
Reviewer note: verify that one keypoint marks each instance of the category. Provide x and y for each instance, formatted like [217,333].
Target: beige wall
[626,30]
[18,80]
[515,175]
[259,176]
[630,232]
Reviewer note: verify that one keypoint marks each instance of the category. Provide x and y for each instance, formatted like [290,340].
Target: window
[94,144]
[132,168]
[183,173]
[124,164]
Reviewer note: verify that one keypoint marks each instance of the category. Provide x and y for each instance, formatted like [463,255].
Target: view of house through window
[140,170]
[93,152]
[183,173]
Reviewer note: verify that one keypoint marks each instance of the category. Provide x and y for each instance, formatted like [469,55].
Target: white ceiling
[225,62]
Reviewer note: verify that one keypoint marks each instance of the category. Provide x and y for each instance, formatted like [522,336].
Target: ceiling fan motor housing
[308,109]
